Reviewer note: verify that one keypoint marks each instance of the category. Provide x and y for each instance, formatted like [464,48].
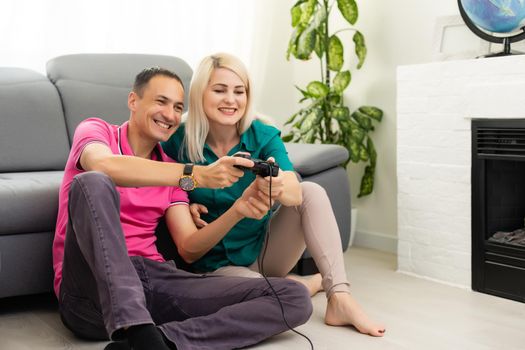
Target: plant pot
[353,224]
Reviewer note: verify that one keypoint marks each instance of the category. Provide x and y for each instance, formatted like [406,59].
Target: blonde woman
[220,123]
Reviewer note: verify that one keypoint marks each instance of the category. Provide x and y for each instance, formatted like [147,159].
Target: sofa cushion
[29,201]
[32,128]
[309,159]
[26,265]
[97,85]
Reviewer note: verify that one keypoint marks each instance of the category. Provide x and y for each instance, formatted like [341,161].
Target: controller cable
[261,264]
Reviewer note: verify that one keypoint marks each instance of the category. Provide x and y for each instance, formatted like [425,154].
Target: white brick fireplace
[435,105]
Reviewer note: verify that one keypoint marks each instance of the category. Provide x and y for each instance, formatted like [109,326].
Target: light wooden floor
[419,314]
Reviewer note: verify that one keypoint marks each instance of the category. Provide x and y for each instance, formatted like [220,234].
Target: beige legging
[312,225]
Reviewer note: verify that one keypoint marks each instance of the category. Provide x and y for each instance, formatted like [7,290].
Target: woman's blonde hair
[197,126]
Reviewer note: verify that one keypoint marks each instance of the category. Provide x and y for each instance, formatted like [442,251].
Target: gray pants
[104,290]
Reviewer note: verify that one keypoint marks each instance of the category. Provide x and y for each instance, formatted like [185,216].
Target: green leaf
[307,10]
[287,138]
[357,134]
[334,100]
[317,89]
[302,114]
[296,15]
[311,120]
[306,44]
[363,120]
[310,136]
[306,94]
[299,122]
[371,151]
[340,113]
[341,81]
[354,151]
[344,133]
[291,119]
[335,54]
[367,181]
[372,112]
[360,48]
[307,109]
[363,154]
[292,44]
[319,44]
[348,9]
[319,17]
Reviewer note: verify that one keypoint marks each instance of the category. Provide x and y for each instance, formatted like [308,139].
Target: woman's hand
[196,210]
[263,184]
[221,173]
[253,203]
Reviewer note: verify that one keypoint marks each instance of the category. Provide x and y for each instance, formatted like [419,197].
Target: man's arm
[192,243]
[136,172]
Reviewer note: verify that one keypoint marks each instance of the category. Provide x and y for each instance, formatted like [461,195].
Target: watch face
[186,183]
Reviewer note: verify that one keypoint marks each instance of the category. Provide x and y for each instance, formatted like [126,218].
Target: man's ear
[132,101]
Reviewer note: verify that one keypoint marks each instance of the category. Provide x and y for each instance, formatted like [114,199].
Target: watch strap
[188,169]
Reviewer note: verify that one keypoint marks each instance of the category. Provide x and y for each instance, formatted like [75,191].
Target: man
[109,277]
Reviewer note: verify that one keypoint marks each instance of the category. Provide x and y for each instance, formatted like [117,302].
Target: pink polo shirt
[141,208]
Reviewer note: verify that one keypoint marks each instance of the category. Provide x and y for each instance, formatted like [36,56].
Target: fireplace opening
[498,207]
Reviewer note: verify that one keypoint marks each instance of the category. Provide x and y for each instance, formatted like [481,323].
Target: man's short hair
[142,79]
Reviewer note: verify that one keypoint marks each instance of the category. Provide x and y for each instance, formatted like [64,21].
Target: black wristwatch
[187,182]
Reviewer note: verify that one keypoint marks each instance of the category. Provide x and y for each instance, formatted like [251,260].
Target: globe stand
[505,40]
[506,50]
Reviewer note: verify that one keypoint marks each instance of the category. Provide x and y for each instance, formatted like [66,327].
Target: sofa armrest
[310,159]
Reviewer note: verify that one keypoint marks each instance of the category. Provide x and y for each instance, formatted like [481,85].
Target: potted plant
[325,118]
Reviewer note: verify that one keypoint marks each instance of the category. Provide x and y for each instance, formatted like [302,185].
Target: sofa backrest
[97,85]
[32,128]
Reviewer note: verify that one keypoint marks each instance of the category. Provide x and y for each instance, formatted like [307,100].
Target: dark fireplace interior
[498,207]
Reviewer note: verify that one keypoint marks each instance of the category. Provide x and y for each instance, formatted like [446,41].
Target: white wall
[397,33]
[34,31]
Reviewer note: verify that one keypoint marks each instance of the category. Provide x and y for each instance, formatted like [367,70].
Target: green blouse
[242,244]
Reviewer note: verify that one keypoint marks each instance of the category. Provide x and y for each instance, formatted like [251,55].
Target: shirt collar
[124,147]
[247,142]
[122,139]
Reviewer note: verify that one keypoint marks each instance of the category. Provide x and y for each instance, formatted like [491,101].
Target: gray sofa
[38,116]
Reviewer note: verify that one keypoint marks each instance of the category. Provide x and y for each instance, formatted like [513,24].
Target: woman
[220,123]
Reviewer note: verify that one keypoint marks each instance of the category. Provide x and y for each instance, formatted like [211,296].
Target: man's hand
[196,210]
[253,203]
[221,173]
[263,184]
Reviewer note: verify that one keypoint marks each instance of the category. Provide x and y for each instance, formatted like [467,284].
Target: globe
[497,16]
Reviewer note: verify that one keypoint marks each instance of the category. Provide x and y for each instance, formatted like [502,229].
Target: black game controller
[262,167]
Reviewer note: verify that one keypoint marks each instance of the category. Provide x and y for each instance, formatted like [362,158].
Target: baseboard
[376,240]
[462,286]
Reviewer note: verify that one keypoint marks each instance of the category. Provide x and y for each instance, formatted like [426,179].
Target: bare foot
[312,282]
[343,310]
